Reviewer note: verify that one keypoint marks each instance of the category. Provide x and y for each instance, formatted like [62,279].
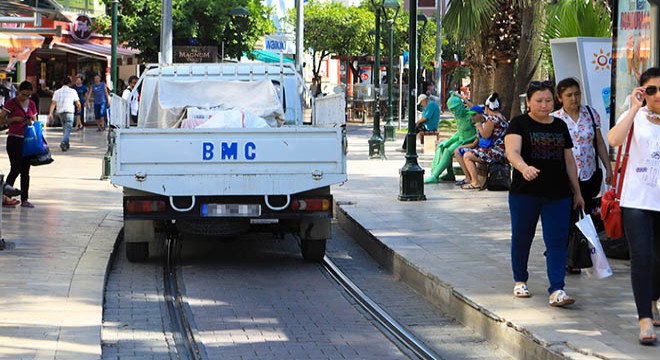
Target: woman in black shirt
[544,180]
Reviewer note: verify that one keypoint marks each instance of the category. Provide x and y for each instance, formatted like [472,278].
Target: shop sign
[81,28]
[279,44]
[194,54]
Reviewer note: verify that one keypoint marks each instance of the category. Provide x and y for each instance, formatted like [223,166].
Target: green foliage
[571,18]
[465,19]
[207,21]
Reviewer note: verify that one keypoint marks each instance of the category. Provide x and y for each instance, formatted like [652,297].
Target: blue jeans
[642,230]
[67,123]
[525,211]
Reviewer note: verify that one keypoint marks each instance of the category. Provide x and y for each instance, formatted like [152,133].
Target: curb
[513,339]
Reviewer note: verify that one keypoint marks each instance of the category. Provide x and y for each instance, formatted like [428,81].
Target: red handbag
[610,211]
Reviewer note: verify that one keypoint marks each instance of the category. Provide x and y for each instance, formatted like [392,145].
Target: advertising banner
[633,49]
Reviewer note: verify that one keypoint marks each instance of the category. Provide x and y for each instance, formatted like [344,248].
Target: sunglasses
[651,90]
[540,84]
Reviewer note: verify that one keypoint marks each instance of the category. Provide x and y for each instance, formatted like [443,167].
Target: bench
[429,139]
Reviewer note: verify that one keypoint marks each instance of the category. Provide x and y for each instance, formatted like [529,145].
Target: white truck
[227,178]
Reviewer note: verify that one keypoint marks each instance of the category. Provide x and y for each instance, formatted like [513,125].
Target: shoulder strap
[619,186]
[593,123]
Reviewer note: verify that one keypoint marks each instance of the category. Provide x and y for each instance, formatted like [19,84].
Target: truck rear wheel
[313,250]
[137,251]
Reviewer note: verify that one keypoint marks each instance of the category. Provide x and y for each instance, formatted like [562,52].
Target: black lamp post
[389,126]
[239,12]
[376,144]
[420,63]
[411,180]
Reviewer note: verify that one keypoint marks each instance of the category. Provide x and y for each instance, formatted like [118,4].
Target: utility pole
[166,32]
[300,31]
[439,13]
[113,50]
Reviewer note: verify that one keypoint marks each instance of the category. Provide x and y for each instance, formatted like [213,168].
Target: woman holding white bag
[640,198]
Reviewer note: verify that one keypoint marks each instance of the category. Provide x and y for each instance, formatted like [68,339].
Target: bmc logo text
[229,151]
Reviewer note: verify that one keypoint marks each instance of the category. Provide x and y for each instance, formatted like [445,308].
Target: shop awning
[9,40]
[97,51]
[270,57]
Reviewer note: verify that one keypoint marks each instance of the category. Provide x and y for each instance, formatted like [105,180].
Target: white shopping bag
[601,267]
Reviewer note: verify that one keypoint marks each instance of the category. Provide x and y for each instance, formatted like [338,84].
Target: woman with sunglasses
[640,198]
[18,112]
[588,146]
[544,180]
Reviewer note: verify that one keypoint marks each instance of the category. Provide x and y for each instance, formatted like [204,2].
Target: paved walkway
[454,249]
[52,273]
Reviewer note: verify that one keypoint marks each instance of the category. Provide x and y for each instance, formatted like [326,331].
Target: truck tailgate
[265,161]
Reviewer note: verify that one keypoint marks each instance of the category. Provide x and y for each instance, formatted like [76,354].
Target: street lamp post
[420,64]
[411,180]
[239,12]
[376,144]
[389,126]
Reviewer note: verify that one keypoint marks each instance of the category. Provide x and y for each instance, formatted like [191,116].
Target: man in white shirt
[132,99]
[67,102]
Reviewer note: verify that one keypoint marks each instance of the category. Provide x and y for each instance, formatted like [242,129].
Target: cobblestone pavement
[135,322]
[255,298]
[459,241]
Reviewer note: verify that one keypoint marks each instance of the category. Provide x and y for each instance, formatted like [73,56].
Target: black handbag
[579,255]
[43,159]
[499,176]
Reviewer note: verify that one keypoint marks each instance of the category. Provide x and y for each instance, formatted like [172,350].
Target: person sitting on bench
[429,120]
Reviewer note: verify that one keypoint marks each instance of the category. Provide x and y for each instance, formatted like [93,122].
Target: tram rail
[187,347]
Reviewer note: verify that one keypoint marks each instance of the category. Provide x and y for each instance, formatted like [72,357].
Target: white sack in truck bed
[163,100]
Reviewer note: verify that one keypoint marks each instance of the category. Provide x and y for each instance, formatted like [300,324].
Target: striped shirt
[65,98]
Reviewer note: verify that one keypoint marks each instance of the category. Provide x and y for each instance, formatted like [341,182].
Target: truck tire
[312,250]
[137,251]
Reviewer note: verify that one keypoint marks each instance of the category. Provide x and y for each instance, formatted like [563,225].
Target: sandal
[647,337]
[461,182]
[469,187]
[559,298]
[9,202]
[521,291]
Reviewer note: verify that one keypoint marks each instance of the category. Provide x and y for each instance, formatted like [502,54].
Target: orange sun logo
[602,61]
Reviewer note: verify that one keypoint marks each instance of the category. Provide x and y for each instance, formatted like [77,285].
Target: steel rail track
[184,339]
[399,332]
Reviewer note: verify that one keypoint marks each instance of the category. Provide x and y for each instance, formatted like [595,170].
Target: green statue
[465,135]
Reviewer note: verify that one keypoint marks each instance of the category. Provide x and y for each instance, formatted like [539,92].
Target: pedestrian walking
[18,112]
[81,89]
[66,100]
[133,98]
[583,123]
[101,100]
[640,197]
[544,179]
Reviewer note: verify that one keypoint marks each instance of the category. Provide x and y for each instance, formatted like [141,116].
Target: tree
[206,21]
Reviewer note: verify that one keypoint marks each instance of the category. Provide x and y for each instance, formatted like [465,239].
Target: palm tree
[493,31]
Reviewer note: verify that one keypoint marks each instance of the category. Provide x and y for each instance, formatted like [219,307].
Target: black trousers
[19,166]
[642,230]
[419,128]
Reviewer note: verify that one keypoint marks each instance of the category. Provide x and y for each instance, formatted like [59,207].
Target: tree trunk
[482,84]
[529,56]
[504,82]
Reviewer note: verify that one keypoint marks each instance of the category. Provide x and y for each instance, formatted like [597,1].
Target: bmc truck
[222,150]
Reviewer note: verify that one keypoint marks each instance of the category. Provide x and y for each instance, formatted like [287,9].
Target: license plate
[231,210]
